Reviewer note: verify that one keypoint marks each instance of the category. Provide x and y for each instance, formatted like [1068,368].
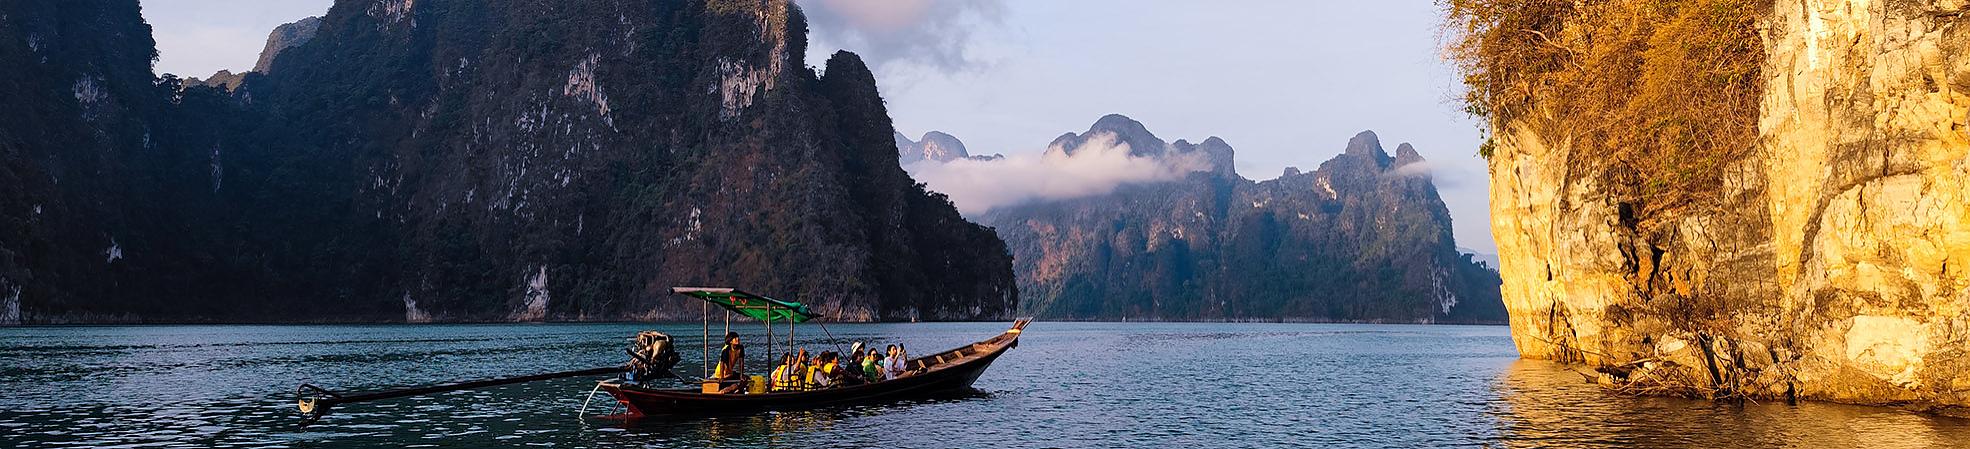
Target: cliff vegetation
[1732,199]
[1658,95]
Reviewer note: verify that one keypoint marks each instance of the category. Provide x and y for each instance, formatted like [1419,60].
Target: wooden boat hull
[944,372]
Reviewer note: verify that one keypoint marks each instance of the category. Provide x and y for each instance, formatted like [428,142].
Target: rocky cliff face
[1834,262]
[284,37]
[1363,238]
[459,160]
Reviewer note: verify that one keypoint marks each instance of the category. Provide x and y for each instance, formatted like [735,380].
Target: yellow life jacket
[721,371]
[831,373]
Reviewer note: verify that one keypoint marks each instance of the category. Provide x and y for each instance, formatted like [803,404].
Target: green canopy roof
[758,307]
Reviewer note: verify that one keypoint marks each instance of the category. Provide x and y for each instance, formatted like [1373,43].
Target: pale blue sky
[1286,82]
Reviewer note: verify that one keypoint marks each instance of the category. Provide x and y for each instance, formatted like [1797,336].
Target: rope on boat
[831,337]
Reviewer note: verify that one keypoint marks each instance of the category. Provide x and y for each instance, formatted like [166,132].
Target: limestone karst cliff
[450,160]
[1811,239]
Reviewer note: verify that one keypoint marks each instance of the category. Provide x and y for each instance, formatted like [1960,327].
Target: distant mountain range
[1490,260]
[1364,237]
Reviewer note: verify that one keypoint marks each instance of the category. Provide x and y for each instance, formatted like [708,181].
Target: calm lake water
[1067,385]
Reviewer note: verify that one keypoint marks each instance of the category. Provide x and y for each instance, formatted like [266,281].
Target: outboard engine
[651,356]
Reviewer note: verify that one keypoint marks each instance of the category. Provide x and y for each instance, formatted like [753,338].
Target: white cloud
[1413,169]
[1097,167]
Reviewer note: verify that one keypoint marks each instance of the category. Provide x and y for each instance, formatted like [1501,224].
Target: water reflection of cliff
[1541,404]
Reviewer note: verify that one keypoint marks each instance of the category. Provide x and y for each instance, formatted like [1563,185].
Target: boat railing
[932,361]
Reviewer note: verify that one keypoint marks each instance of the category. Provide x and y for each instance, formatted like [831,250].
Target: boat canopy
[756,306]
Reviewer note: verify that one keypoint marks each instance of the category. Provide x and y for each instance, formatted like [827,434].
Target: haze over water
[1066,385]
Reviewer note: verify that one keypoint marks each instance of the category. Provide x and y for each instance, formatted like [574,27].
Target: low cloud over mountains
[1116,151]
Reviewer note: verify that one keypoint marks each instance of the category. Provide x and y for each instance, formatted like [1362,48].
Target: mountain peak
[937,135]
[936,146]
[1218,153]
[1141,142]
[941,147]
[1365,143]
[284,37]
[1406,154]
[1120,124]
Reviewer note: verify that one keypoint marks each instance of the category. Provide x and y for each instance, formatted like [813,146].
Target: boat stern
[617,391]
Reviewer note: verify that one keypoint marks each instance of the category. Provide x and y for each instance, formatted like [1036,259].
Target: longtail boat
[943,372]
[638,385]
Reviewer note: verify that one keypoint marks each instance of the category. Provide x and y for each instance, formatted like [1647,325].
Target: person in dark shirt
[731,365]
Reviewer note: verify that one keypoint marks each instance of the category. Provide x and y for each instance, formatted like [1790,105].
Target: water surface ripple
[1067,385]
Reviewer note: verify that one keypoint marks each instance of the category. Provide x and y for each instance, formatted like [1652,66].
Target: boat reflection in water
[1542,404]
[755,428]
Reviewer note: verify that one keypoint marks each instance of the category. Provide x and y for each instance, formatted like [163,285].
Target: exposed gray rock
[284,37]
[934,146]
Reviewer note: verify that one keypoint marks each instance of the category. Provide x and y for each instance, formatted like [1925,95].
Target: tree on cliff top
[1665,92]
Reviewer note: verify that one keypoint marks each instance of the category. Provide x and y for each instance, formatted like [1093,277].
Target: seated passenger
[779,379]
[832,369]
[802,363]
[810,374]
[730,372]
[817,373]
[871,367]
[897,365]
[852,369]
